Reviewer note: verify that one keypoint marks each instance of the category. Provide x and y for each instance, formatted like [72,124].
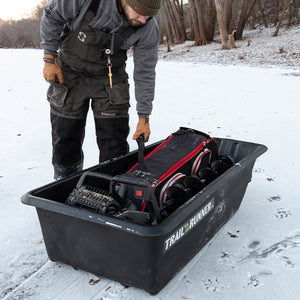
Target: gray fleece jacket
[145,40]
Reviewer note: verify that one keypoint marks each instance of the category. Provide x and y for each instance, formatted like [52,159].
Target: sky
[16,9]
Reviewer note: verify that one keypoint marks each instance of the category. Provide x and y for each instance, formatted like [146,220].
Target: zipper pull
[109,65]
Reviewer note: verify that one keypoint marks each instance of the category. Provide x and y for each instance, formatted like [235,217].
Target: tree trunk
[222,25]
[176,21]
[202,31]
[210,21]
[191,35]
[170,19]
[243,19]
[227,13]
[164,25]
[178,6]
[263,17]
[281,18]
[297,15]
[291,13]
[276,12]
[195,22]
[238,33]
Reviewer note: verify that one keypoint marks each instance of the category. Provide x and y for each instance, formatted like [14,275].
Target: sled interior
[136,255]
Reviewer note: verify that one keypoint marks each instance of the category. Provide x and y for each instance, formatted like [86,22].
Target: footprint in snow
[212,285]
[282,213]
[253,281]
[288,263]
[289,242]
[253,251]
[274,198]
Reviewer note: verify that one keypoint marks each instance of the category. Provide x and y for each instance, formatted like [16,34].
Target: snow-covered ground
[254,100]
[257,48]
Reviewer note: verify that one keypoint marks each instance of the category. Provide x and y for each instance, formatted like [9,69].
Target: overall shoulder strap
[94,6]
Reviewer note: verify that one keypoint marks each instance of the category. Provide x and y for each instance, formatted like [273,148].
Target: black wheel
[178,192]
[227,160]
[194,184]
[219,166]
[207,174]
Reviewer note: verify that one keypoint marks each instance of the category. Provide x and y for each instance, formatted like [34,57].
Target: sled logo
[81,36]
[189,225]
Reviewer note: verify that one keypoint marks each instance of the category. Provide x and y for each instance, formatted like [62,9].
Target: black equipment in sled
[118,227]
[159,183]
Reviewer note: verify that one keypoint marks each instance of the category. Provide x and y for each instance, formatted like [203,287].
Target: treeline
[181,20]
[201,20]
[24,33]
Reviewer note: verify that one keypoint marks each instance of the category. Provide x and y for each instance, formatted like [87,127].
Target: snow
[254,99]
[257,48]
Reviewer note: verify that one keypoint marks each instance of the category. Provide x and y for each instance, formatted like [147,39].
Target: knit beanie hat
[148,8]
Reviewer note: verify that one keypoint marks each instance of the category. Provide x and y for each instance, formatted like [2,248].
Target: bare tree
[227,13]
[174,13]
[245,13]
[165,29]
[263,17]
[293,14]
[197,23]
[171,22]
[222,25]
[180,20]
[210,20]
[202,17]
[286,4]
[202,30]
[276,12]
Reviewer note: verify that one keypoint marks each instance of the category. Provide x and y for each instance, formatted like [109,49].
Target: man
[85,44]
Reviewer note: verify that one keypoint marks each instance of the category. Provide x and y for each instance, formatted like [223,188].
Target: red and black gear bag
[183,153]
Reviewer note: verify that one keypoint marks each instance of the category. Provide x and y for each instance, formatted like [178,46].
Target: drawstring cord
[110,51]
[109,65]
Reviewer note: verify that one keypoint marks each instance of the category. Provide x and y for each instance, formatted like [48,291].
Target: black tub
[146,257]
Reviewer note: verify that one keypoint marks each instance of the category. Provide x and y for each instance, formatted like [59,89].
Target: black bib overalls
[84,65]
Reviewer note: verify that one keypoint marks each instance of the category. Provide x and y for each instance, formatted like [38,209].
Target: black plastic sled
[93,222]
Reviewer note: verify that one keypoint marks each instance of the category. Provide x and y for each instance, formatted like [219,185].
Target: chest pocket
[84,49]
[87,42]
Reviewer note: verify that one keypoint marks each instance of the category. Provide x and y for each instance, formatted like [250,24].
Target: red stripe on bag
[143,205]
[181,162]
[152,152]
[163,196]
[198,161]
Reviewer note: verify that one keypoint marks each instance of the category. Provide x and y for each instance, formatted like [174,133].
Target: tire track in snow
[291,241]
